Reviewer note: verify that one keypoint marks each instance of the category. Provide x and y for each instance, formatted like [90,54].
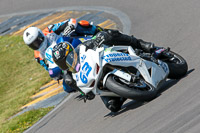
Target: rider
[108,37]
[42,42]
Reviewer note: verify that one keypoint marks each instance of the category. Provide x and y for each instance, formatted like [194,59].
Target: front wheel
[138,90]
[177,65]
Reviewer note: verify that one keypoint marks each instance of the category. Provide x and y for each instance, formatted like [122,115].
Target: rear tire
[177,66]
[136,93]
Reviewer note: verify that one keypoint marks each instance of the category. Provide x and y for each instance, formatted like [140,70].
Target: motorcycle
[121,71]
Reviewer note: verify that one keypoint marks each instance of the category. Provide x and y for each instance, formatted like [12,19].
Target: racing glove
[68,30]
[101,37]
[67,78]
[42,63]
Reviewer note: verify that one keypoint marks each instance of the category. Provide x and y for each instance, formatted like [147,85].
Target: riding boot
[113,103]
[146,46]
[123,39]
[136,43]
[117,38]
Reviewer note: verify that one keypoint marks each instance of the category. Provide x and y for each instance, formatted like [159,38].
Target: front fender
[118,73]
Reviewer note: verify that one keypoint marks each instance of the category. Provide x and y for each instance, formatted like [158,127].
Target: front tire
[177,66]
[145,92]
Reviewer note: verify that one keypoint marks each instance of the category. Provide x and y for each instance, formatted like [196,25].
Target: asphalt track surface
[173,23]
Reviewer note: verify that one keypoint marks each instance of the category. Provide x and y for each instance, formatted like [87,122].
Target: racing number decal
[86,69]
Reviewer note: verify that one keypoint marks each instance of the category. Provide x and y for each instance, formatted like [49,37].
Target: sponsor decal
[84,39]
[30,38]
[83,58]
[50,27]
[159,51]
[116,57]
[64,45]
[108,50]
[164,66]
[57,54]
[48,55]
[50,72]
[27,34]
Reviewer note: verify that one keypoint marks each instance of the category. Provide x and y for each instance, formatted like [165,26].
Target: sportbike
[121,71]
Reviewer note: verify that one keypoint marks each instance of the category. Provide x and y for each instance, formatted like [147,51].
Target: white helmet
[34,38]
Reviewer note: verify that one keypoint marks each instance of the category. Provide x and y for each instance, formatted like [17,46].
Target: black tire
[130,92]
[177,66]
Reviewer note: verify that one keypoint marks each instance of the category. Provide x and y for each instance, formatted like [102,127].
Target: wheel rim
[176,59]
[173,58]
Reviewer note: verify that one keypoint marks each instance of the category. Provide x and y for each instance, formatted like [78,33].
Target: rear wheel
[177,65]
[138,90]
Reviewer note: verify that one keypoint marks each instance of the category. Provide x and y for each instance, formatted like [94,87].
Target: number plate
[123,75]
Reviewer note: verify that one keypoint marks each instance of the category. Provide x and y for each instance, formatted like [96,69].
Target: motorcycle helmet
[34,38]
[66,57]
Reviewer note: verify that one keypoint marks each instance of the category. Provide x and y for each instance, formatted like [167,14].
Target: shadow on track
[135,104]
[79,97]
[171,82]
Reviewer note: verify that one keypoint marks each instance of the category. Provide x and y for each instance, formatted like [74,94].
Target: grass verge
[24,121]
[20,76]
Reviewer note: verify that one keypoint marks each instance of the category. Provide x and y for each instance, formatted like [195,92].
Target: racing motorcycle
[122,71]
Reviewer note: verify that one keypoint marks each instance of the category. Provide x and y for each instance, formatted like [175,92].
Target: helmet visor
[72,59]
[37,42]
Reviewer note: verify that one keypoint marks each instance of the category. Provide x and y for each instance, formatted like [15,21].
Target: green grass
[24,121]
[20,76]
